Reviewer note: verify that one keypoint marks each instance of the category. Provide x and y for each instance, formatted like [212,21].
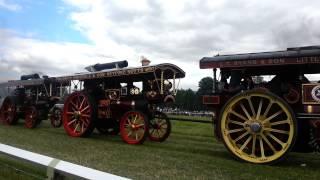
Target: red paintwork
[31,116]
[125,122]
[77,101]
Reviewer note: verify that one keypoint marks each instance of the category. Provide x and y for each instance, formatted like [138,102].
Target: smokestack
[145,61]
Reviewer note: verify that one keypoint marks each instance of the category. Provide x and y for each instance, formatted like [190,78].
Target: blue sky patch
[45,20]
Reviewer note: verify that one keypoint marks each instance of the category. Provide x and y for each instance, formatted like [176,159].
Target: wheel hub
[134,127]
[255,127]
[77,114]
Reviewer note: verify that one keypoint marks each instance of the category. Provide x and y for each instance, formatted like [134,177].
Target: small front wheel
[159,127]
[133,127]
[56,118]
[31,117]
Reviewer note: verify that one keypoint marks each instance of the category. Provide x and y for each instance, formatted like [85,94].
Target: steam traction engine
[113,98]
[265,106]
[32,98]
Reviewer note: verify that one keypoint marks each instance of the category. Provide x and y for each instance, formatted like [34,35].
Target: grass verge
[191,152]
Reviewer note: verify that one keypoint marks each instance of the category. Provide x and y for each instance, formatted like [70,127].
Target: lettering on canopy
[113,73]
[261,62]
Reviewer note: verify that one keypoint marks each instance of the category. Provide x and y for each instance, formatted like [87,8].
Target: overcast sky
[59,37]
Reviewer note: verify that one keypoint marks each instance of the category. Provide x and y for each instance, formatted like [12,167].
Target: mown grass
[199,118]
[191,152]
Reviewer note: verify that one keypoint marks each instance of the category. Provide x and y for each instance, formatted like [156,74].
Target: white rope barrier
[56,166]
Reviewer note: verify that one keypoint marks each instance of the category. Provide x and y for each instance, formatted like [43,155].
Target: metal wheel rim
[8,111]
[77,114]
[159,127]
[257,127]
[56,118]
[133,127]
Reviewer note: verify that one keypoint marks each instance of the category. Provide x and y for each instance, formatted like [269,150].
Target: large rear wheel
[258,127]
[159,127]
[133,127]
[79,114]
[9,112]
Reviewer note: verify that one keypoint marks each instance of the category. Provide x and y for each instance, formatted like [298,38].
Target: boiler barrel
[118,64]
[30,76]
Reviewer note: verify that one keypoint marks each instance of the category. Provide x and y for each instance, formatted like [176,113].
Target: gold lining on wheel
[257,127]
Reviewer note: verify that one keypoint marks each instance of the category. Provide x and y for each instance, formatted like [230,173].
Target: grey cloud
[236,25]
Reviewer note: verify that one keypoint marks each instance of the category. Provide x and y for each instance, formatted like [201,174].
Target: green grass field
[191,152]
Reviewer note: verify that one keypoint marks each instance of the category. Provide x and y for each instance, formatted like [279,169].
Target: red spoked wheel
[159,127]
[133,127]
[78,114]
[9,112]
[31,117]
[56,118]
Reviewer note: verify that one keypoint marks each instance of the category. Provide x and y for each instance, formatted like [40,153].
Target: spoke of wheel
[85,121]
[70,113]
[280,122]
[251,107]
[81,104]
[137,135]
[165,126]
[85,108]
[135,118]
[245,143]
[245,111]
[276,139]
[277,130]
[239,115]
[235,130]
[74,105]
[261,147]
[236,122]
[259,109]
[273,116]
[76,128]
[268,142]
[163,123]
[267,109]
[129,122]
[129,133]
[242,136]
[254,145]
[158,134]
[85,115]
[139,125]
[76,101]
[152,131]
[71,122]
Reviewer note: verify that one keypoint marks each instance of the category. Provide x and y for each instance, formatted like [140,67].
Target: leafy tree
[191,100]
[205,86]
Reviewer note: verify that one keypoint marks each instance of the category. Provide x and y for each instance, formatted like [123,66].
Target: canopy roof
[132,72]
[31,82]
[305,59]
[142,72]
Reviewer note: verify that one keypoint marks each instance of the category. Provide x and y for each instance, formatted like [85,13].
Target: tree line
[187,99]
